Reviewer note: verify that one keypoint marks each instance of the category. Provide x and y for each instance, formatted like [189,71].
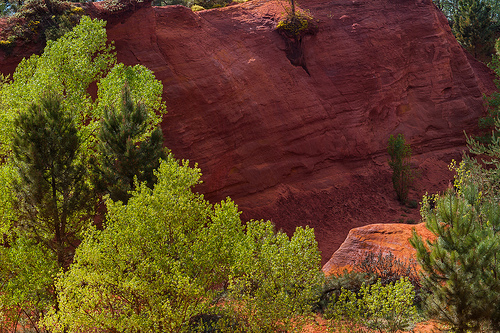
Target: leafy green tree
[400,163]
[26,271]
[121,157]
[44,143]
[165,258]
[277,278]
[66,68]
[51,205]
[450,9]
[474,27]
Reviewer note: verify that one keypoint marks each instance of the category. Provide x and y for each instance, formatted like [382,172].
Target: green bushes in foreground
[385,308]
[168,257]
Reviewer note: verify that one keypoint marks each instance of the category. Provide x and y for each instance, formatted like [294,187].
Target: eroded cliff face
[309,147]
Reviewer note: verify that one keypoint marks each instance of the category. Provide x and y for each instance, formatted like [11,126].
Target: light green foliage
[66,68]
[26,272]
[7,214]
[461,268]
[143,86]
[389,308]
[276,277]
[163,258]
[38,180]
[297,24]
[400,163]
[157,262]
[196,8]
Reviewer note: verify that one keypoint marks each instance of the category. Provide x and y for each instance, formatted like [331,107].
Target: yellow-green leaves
[276,277]
[386,308]
[167,257]
[67,68]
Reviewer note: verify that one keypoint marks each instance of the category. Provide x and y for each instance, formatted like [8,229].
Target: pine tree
[121,156]
[474,27]
[460,267]
[52,199]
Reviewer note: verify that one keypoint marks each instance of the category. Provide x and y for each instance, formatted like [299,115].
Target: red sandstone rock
[375,238]
[309,147]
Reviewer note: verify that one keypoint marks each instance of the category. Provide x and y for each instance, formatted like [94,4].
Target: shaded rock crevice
[294,51]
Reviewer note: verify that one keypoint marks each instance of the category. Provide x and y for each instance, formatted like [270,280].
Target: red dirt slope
[309,148]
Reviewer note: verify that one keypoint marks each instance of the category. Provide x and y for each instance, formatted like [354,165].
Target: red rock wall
[301,148]
[309,148]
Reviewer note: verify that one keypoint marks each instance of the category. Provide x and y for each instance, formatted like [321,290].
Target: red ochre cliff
[307,146]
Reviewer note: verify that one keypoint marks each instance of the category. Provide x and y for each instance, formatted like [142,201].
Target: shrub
[196,8]
[381,307]
[41,20]
[207,4]
[374,267]
[388,268]
[297,24]
[400,158]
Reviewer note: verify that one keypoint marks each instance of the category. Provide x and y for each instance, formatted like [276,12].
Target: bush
[400,158]
[381,307]
[367,271]
[167,258]
[207,4]
[38,20]
[296,24]
[196,8]
[388,269]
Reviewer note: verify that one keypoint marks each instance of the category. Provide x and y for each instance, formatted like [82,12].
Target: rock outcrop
[375,238]
[309,147]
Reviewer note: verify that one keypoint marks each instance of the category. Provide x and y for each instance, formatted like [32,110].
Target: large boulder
[376,238]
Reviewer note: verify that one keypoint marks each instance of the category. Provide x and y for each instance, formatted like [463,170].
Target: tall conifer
[460,266]
[53,199]
[474,28]
[122,157]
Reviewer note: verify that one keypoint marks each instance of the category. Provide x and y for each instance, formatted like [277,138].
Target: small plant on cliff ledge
[296,24]
[400,163]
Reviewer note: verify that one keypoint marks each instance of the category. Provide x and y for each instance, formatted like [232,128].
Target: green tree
[53,200]
[121,157]
[474,27]
[44,143]
[488,123]
[400,163]
[165,258]
[460,267]
[66,68]
[276,277]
